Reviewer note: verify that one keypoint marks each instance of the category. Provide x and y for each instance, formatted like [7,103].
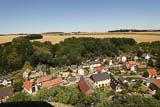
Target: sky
[38,16]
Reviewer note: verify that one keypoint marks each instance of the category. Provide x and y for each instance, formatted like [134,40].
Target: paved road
[120,65]
[133,76]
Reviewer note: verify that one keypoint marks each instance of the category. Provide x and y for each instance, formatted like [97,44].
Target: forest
[14,54]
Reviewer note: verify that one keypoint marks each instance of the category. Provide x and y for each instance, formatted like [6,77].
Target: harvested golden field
[138,36]
[9,38]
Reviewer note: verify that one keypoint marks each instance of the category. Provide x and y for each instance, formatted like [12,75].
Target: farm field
[138,36]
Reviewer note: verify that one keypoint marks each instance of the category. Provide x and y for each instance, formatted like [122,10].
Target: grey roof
[121,78]
[100,76]
[133,55]
[144,55]
[42,68]
[94,62]
[6,77]
[5,91]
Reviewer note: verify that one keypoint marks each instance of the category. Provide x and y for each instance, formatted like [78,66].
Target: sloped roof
[152,71]
[156,82]
[132,62]
[108,59]
[133,55]
[84,85]
[42,68]
[158,75]
[6,77]
[5,91]
[99,69]
[52,82]
[100,76]
[121,78]
[28,70]
[144,55]
[42,79]
[142,66]
[128,65]
[27,84]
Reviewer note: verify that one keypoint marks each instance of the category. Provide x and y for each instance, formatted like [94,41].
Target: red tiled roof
[99,69]
[158,75]
[28,70]
[42,79]
[132,62]
[108,59]
[128,66]
[142,66]
[52,82]
[83,85]
[156,82]
[27,84]
[124,63]
[152,71]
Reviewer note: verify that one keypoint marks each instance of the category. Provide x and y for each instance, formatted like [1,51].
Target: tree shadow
[26,104]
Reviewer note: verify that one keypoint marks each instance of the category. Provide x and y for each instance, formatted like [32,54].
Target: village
[119,75]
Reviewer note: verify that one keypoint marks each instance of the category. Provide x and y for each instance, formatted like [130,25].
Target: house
[155,85]
[5,80]
[145,56]
[105,69]
[122,58]
[131,65]
[133,68]
[115,85]
[101,79]
[122,71]
[5,93]
[71,78]
[43,79]
[42,68]
[152,73]
[35,74]
[158,77]
[109,61]
[64,75]
[122,79]
[26,73]
[54,82]
[127,66]
[99,69]
[74,68]
[85,86]
[134,57]
[94,64]
[132,62]
[85,65]
[141,66]
[148,82]
[30,87]
[81,71]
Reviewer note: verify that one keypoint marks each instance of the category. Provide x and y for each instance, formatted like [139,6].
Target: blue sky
[37,16]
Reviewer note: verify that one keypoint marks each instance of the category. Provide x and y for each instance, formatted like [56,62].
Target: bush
[17,86]
[33,36]
[19,97]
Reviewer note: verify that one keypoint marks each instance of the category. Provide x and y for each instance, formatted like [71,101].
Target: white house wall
[105,82]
